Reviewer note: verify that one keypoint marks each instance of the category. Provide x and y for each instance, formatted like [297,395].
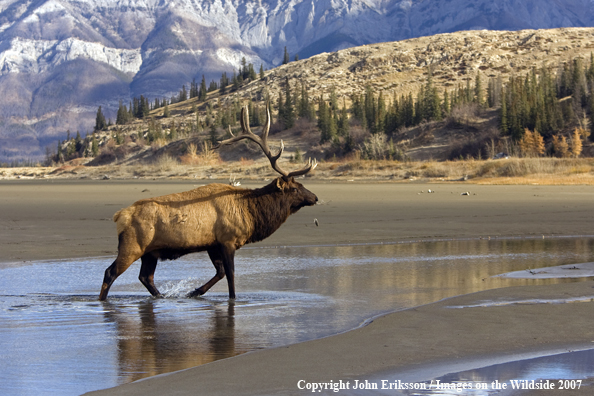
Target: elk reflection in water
[149,344]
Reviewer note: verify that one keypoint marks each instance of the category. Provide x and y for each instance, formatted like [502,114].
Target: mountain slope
[61,59]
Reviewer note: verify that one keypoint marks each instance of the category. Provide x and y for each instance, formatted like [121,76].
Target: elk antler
[261,141]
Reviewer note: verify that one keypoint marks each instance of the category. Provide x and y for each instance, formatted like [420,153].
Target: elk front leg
[216,256]
[147,274]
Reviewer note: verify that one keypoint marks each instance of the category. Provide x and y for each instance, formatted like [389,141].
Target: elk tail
[122,219]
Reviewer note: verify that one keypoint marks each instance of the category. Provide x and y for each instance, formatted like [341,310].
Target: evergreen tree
[243,70]
[78,143]
[122,115]
[289,110]
[94,146]
[193,89]
[252,73]
[183,94]
[286,58]
[223,84]
[240,79]
[478,90]
[100,123]
[446,103]
[213,135]
[503,117]
[261,71]
[202,91]
[343,122]
[235,83]
[324,121]
[281,108]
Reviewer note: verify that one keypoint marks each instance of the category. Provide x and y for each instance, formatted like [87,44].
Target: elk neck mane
[269,207]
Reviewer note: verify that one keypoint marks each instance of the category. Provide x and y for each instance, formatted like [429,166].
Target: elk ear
[281,183]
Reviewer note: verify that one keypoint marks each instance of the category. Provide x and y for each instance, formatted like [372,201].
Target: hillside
[391,68]
[61,59]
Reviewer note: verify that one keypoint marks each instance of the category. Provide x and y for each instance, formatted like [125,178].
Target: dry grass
[207,165]
[207,155]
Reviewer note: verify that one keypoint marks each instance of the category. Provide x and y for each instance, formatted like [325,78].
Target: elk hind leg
[112,272]
[147,273]
[229,267]
[216,256]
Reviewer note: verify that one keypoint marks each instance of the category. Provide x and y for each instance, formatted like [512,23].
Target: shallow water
[556,370]
[61,340]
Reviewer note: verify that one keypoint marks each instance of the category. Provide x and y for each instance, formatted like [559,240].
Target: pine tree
[478,90]
[223,84]
[78,143]
[122,115]
[289,111]
[213,135]
[252,73]
[261,70]
[243,70]
[323,121]
[503,125]
[100,123]
[286,58]
[202,91]
[94,146]
[193,89]
[234,82]
[343,122]
[281,108]
[183,94]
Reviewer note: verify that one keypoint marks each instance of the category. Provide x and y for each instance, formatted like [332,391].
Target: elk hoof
[195,293]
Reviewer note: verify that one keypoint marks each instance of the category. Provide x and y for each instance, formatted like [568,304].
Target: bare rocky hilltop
[396,68]
[402,66]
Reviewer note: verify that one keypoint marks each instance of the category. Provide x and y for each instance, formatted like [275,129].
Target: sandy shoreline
[65,219]
[53,219]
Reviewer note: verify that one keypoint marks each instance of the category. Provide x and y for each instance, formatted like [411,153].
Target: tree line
[545,102]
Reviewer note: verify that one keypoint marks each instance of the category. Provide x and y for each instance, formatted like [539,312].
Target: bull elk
[216,218]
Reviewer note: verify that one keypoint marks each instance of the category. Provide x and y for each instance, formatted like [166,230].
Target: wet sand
[65,219]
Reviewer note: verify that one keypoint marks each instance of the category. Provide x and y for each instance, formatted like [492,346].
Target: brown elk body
[216,218]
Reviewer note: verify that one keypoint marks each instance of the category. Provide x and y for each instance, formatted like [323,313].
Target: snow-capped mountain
[61,59]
